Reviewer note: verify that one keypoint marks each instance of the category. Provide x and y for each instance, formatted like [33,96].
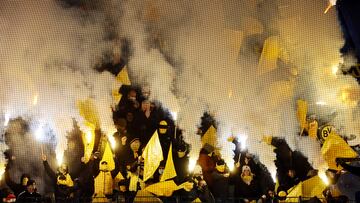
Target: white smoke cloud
[208,78]
[50,53]
[47,58]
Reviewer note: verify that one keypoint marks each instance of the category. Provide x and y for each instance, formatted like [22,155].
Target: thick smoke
[313,40]
[187,52]
[47,58]
[202,40]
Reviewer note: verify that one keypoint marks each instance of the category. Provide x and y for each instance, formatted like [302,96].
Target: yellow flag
[89,112]
[152,155]
[119,177]
[301,112]
[313,187]
[335,147]
[116,95]
[123,77]
[169,171]
[313,129]
[309,188]
[145,196]
[108,157]
[165,188]
[294,193]
[88,139]
[269,55]
[196,200]
[210,137]
[267,139]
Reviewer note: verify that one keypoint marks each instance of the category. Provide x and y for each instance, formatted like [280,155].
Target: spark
[230,93]
[323,177]
[59,158]
[2,170]
[39,133]
[7,119]
[112,142]
[231,165]
[334,69]
[35,99]
[89,136]
[192,164]
[321,103]
[174,114]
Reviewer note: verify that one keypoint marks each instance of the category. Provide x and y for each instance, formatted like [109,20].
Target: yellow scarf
[247,179]
[68,181]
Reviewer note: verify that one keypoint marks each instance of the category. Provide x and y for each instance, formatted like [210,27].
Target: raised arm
[47,168]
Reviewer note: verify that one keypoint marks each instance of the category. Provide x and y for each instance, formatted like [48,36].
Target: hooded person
[181,163]
[246,185]
[62,181]
[29,195]
[103,182]
[166,138]
[207,161]
[220,184]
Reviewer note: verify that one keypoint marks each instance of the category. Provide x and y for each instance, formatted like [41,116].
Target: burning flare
[7,119]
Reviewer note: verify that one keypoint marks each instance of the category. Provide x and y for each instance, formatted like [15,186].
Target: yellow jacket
[103,184]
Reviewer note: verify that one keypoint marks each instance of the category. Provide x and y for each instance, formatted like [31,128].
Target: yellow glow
[230,165]
[112,142]
[59,158]
[230,93]
[243,140]
[89,136]
[39,133]
[174,114]
[321,103]
[35,99]
[323,177]
[192,164]
[2,170]
[350,96]
[272,171]
[334,69]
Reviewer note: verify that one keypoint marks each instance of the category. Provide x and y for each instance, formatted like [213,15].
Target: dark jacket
[15,187]
[85,182]
[220,186]
[243,190]
[181,167]
[62,192]
[28,197]
[145,126]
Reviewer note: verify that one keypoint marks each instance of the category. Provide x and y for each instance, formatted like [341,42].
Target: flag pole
[328,8]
